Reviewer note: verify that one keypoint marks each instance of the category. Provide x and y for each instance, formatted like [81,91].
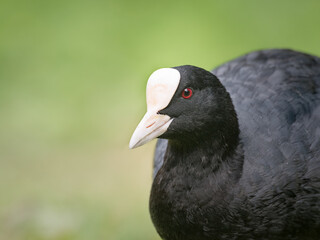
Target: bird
[238,150]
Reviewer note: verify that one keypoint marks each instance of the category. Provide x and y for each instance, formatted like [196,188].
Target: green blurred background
[72,90]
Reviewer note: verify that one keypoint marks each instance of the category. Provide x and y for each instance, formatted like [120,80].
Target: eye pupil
[186,93]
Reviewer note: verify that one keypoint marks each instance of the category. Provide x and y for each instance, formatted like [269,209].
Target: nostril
[150,125]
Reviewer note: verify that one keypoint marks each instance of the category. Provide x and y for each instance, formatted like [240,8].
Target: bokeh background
[72,90]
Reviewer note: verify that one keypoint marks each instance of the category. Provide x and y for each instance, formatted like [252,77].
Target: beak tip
[133,143]
[131,146]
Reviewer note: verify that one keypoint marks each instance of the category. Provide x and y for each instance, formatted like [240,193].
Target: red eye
[186,93]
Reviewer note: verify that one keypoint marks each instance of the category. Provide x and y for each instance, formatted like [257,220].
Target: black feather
[241,159]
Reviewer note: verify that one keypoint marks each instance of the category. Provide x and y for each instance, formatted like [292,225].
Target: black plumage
[241,159]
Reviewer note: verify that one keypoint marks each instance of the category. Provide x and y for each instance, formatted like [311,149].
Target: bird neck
[206,157]
[213,165]
[192,182]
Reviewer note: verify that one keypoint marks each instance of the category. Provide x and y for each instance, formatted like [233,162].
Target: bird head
[184,103]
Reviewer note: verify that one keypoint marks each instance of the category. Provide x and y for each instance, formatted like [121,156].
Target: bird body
[240,158]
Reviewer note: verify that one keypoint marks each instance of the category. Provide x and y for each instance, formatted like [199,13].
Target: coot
[239,154]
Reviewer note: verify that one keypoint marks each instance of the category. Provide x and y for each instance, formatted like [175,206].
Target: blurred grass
[72,85]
